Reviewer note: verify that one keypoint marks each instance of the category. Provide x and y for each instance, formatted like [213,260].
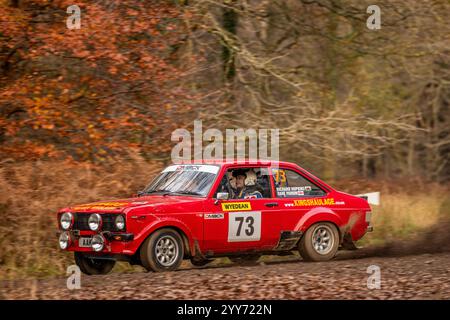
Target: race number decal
[244,226]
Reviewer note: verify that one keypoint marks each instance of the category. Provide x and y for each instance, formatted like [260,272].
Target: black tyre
[92,266]
[162,251]
[246,260]
[320,242]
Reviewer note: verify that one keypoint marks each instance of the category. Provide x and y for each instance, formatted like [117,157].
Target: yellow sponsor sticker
[236,206]
[314,202]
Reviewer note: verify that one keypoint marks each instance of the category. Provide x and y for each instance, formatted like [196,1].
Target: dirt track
[425,276]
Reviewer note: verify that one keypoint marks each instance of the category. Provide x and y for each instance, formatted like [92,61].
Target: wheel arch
[175,225]
[317,215]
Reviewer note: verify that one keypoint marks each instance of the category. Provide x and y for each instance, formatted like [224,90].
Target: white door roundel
[244,226]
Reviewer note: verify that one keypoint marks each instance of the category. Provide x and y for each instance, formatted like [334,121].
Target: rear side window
[290,184]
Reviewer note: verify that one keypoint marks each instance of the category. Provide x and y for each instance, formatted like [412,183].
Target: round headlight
[98,242]
[120,222]
[95,221]
[64,240]
[66,220]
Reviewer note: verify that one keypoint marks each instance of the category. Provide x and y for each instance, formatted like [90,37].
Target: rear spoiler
[371,197]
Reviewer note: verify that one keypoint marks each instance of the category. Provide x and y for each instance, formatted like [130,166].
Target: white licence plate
[85,242]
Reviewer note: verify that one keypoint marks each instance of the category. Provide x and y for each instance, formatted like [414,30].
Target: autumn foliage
[89,93]
[87,114]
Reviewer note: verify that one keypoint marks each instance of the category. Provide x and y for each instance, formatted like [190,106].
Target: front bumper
[115,243]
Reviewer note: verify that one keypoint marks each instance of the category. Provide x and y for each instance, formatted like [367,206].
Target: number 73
[249,230]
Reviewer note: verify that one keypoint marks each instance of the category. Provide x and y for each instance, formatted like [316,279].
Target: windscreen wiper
[189,192]
[165,192]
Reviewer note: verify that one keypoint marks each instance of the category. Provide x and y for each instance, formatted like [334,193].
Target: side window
[290,184]
[246,183]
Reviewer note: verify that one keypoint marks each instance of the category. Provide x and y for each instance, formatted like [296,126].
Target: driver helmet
[251,178]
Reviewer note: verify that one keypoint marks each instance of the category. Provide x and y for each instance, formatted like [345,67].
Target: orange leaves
[42,113]
[132,12]
[147,58]
[118,57]
[113,70]
[97,91]
[30,150]
[82,54]
[50,126]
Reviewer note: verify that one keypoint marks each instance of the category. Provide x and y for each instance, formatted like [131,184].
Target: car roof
[240,162]
[258,162]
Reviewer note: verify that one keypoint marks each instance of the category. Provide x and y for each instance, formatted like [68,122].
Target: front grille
[81,221]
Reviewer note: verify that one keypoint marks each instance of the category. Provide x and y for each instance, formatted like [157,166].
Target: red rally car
[200,211]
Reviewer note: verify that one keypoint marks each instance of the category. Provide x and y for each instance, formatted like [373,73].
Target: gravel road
[424,276]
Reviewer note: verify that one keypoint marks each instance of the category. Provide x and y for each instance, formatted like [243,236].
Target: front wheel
[162,251]
[92,266]
[320,242]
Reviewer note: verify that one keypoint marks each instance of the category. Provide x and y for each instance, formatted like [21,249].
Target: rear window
[290,184]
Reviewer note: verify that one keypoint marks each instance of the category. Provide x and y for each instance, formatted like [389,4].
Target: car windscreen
[184,179]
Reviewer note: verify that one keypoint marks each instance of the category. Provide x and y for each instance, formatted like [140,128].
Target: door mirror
[139,193]
[222,196]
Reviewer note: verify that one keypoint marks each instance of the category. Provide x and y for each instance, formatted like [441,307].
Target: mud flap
[347,243]
[197,254]
[288,240]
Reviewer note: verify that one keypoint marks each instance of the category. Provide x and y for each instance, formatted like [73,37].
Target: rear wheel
[92,266]
[320,242]
[162,251]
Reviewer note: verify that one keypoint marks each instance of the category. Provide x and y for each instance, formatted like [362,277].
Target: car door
[292,191]
[236,225]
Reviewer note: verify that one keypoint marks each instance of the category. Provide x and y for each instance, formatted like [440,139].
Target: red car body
[203,221]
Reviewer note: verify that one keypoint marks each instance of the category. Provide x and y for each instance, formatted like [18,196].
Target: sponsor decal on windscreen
[199,168]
